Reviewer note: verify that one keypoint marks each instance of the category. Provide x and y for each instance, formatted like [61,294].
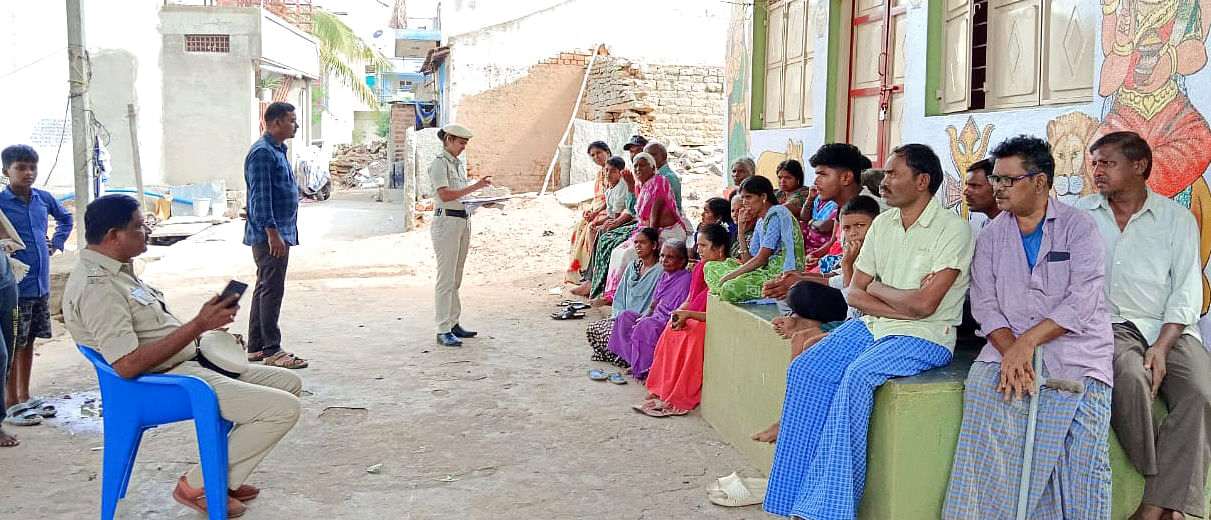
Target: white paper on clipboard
[470,205]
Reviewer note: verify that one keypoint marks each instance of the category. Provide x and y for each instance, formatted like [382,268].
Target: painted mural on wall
[1151,47]
[736,66]
[1070,136]
[1152,80]
[967,147]
[768,161]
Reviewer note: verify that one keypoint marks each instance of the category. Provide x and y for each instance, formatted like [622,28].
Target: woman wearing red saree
[675,378]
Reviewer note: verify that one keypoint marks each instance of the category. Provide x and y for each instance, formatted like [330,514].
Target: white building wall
[494,43]
[125,48]
[286,45]
[210,107]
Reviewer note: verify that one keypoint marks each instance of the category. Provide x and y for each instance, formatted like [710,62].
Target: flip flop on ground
[21,414]
[734,491]
[648,404]
[598,375]
[43,409]
[663,410]
[617,378]
[567,314]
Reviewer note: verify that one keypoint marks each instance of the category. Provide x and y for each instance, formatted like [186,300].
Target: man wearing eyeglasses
[1154,290]
[1036,290]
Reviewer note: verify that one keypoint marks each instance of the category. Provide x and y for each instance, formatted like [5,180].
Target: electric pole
[78,74]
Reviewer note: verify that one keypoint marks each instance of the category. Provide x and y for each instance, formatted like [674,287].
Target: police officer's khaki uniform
[106,307]
[451,239]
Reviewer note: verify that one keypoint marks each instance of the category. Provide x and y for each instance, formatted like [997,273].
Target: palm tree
[341,51]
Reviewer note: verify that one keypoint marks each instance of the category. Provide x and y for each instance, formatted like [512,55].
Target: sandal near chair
[43,409]
[734,491]
[21,414]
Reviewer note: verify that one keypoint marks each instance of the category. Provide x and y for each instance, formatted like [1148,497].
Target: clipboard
[470,205]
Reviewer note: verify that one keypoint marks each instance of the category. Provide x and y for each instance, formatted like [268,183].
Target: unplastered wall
[518,125]
[686,32]
[677,104]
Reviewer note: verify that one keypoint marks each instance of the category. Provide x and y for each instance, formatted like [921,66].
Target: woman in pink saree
[656,208]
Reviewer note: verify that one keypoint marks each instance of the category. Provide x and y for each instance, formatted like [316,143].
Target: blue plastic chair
[132,406]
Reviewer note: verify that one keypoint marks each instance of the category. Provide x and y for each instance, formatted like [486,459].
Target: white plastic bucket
[201,207]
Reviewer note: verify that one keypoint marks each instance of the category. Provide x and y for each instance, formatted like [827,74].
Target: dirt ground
[507,425]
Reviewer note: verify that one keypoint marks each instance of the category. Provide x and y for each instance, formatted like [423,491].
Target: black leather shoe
[459,331]
[449,340]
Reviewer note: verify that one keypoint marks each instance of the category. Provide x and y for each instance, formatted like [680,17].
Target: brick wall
[518,124]
[578,58]
[403,116]
[675,104]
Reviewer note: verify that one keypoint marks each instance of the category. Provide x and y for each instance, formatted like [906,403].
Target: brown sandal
[244,493]
[196,499]
[285,360]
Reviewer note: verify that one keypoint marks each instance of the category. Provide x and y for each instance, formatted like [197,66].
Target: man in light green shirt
[909,281]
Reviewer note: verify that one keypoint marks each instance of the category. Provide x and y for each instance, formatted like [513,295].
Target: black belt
[450,212]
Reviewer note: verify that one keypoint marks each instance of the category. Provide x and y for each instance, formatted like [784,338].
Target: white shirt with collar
[1152,265]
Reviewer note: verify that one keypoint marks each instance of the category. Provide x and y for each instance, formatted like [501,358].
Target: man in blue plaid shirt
[271,229]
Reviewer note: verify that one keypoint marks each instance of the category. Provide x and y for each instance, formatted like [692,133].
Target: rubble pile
[698,159]
[349,159]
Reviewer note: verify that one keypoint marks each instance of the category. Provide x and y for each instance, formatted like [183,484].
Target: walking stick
[1031,423]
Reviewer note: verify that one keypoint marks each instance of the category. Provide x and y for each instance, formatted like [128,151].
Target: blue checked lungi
[819,466]
[1070,474]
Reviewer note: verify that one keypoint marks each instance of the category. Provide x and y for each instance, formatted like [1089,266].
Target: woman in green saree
[776,246]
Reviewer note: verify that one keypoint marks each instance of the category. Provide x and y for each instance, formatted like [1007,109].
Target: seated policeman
[108,308]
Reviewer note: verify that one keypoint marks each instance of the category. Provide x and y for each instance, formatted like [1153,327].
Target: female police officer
[451,230]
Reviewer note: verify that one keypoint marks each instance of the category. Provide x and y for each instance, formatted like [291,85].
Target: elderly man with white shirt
[1154,290]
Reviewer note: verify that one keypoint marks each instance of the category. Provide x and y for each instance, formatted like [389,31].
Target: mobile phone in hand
[234,288]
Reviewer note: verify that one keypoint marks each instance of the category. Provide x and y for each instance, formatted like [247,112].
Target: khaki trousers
[264,405]
[1172,456]
[451,240]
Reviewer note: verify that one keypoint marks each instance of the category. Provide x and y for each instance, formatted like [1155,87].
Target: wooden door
[876,77]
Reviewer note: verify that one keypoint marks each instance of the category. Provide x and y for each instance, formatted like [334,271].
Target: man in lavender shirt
[1036,289]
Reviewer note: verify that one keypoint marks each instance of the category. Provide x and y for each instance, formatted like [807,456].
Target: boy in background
[818,302]
[29,209]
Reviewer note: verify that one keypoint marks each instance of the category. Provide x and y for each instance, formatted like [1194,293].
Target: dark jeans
[264,335]
[817,302]
[8,330]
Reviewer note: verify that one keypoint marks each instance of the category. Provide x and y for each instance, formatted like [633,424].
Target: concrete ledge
[913,430]
[743,375]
